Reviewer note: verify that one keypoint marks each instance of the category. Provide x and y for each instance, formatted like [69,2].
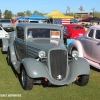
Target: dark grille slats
[58,63]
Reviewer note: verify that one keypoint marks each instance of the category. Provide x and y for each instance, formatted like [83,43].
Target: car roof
[40,25]
[95,26]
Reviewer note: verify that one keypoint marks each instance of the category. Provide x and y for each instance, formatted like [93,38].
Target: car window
[0,28]
[97,34]
[45,33]
[20,32]
[65,29]
[34,22]
[77,27]
[5,21]
[91,33]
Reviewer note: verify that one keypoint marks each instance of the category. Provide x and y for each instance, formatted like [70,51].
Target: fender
[12,52]
[78,67]
[35,68]
[5,44]
[77,44]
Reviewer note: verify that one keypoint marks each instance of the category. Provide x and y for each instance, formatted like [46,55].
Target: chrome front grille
[58,64]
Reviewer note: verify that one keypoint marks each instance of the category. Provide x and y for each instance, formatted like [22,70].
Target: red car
[73,30]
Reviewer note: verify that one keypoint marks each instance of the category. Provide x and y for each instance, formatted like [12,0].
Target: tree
[8,14]
[96,14]
[36,12]
[21,14]
[27,13]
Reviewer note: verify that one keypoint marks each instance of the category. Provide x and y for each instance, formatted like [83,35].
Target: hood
[46,45]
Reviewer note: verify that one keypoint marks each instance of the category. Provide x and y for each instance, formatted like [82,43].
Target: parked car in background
[3,34]
[6,24]
[73,30]
[37,52]
[88,46]
[33,21]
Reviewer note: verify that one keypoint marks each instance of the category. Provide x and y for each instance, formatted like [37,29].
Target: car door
[96,46]
[87,44]
[20,44]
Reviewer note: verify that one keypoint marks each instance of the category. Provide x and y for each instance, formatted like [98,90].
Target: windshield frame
[52,33]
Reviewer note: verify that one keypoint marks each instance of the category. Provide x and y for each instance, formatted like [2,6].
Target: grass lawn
[10,85]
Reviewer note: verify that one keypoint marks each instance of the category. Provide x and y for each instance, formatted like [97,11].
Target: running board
[94,64]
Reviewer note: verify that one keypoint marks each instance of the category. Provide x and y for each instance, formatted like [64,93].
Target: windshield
[43,33]
[34,22]
[0,28]
[5,21]
[77,27]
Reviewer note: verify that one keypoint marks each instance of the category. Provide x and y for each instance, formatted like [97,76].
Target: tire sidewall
[28,82]
[84,80]
[9,58]
[23,86]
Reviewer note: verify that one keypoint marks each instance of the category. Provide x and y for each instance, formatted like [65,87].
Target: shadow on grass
[95,69]
[17,75]
[14,71]
[49,85]
[3,52]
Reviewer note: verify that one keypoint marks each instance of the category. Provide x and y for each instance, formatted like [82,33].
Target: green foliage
[7,14]
[21,14]
[27,13]
[97,14]
[37,12]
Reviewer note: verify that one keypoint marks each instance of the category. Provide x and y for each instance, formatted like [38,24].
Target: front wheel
[82,80]
[26,81]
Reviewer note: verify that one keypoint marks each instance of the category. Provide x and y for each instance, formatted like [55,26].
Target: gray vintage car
[37,52]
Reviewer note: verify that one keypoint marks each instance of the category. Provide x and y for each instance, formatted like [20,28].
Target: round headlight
[42,54]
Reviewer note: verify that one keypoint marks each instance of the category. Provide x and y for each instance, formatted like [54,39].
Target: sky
[47,6]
